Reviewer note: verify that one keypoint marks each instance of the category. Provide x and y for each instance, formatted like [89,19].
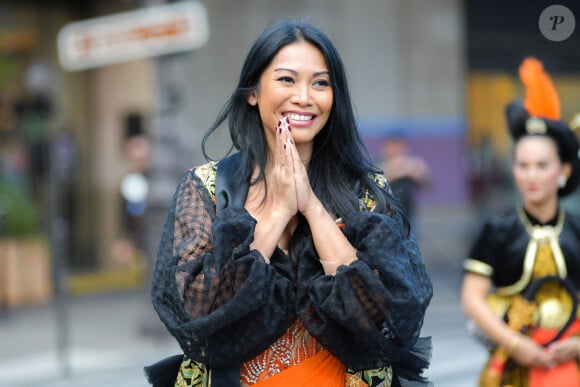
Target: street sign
[147,32]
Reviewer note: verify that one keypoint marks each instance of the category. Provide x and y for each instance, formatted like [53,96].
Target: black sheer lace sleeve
[371,312]
[220,300]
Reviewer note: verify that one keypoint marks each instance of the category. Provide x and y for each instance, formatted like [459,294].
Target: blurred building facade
[69,138]
[499,36]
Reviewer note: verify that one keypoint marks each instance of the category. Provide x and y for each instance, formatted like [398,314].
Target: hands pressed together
[290,193]
[290,188]
[530,354]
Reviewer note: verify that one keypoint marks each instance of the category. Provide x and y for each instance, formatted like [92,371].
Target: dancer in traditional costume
[523,270]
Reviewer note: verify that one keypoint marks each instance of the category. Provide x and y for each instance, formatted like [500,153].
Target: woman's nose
[532,173]
[302,95]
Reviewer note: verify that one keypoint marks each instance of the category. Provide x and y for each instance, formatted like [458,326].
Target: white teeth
[299,117]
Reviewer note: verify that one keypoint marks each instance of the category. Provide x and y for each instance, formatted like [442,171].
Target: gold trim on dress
[206,173]
[553,234]
[477,267]
[538,235]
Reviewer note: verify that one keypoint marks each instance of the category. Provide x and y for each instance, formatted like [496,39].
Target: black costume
[501,250]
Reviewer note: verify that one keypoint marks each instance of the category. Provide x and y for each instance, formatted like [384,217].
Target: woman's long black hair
[340,164]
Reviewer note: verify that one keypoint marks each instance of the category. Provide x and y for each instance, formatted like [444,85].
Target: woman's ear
[567,170]
[253,98]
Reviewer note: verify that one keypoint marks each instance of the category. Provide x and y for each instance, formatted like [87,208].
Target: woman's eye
[521,165]
[321,83]
[286,79]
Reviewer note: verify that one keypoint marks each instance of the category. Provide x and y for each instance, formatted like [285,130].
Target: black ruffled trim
[371,312]
[253,306]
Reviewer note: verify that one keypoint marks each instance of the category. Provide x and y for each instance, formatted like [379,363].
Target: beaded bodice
[289,350]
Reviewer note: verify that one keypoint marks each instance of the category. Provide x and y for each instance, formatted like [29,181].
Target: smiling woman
[289,263]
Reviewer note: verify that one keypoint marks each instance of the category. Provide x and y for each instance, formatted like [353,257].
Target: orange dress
[294,359]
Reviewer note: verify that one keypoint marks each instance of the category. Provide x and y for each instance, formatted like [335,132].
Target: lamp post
[39,84]
[5,204]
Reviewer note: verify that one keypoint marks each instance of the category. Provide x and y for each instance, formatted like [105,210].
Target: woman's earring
[561,181]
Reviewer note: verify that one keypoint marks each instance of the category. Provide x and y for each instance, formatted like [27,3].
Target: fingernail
[289,128]
[284,145]
[291,141]
[287,120]
[280,130]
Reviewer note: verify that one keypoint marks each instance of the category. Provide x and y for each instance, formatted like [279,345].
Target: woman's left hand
[331,244]
[305,196]
[565,350]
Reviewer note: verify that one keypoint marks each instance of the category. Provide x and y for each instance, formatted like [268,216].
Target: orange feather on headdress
[541,97]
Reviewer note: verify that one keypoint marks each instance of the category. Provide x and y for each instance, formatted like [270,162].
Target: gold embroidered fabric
[554,302]
[206,174]
[290,349]
[381,377]
[295,346]
[192,374]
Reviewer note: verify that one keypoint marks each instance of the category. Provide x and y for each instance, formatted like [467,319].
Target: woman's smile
[298,119]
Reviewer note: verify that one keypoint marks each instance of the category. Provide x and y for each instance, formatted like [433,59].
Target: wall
[404,59]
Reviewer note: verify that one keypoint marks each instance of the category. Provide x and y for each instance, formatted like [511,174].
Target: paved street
[108,338]
[457,357]
[108,343]
[444,235]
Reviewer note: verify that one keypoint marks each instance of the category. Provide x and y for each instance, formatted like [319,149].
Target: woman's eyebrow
[286,69]
[317,73]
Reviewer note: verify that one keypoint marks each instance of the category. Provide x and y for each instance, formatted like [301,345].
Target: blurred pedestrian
[288,263]
[406,172]
[523,269]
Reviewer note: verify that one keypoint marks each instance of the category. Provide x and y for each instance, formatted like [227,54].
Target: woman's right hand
[522,349]
[528,353]
[282,184]
[274,215]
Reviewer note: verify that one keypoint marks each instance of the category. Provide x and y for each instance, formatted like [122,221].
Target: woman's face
[296,85]
[536,169]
